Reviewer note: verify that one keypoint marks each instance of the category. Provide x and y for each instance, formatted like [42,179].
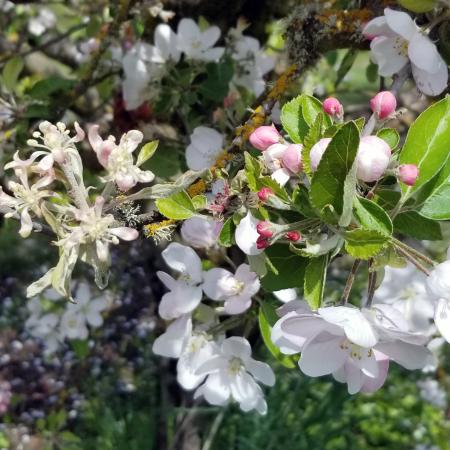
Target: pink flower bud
[262,243]
[317,151]
[263,137]
[383,104]
[292,158]
[264,229]
[373,158]
[408,173]
[293,236]
[333,107]
[264,194]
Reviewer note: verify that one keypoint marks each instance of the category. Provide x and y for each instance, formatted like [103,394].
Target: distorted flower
[200,232]
[185,293]
[236,290]
[246,235]
[398,41]
[205,147]
[197,44]
[233,373]
[117,159]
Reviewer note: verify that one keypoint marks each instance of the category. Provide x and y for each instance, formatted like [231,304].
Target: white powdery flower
[438,284]
[185,293]
[246,235]
[405,289]
[205,147]
[354,346]
[236,290]
[43,21]
[200,232]
[398,41]
[117,159]
[234,374]
[197,44]
[251,64]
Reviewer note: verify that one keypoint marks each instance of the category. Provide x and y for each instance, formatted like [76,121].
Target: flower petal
[246,235]
[386,54]
[431,84]
[401,23]
[237,346]
[183,259]
[170,344]
[409,356]
[261,371]
[442,318]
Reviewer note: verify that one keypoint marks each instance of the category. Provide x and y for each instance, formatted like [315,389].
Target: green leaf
[11,72]
[363,244]
[147,151]
[199,201]
[372,216]
[413,224]
[323,247]
[290,269]
[390,136]
[80,347]
[252,171]
[298,115]
[300,200]
[334,183]
[313,136]
[216,85]
[427,143]
[314,284]
[386,198]
[43,89]
[178,206]
[226,237]
[266,331]
[346,65]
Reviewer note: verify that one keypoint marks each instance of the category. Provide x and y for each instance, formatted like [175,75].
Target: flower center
[401,46]
[235,366]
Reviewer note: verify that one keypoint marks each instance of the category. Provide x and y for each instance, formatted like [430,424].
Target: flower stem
[412,259]
[414,252]
[350,281]
[371,284]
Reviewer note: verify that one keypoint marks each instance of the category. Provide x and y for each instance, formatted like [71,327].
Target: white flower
[205,147]
[273,159]
[286,295]
[117,159]
[233,373]
[438,284]
[197,44]
[199,232]
[236,290]
[86,311]
[405,289]
[355,346]
[185,293]
[246,235]
[166,46]
[251,64]
[192,348]
[397,41]
[44,20]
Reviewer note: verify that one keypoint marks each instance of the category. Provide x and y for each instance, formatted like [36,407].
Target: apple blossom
[246,235]
[185,293]
[262,243]
[373,158]
[233,374]
[293,236]
[197,44]
[265,229]
[263,137]
[333,107]
[273,159]
[236,290]
[398,41]
[292,158]
[383,105]
[117,159]
[205,147]
[199,232]
[265,193]
[317,152]
[408,174]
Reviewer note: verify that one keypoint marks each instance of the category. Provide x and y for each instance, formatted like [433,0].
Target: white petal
[354,378]
[431,84]
[246,235]
[423,53]
[168,280]
[183,259]
[281,176]
[171,342]
[237,346]
[387,56]
[210,36]
[237,305]
[285,295]
[373,384]
[261,371]
[442,318]
[216,389]
[401,23]
[219,284]
[377,27]
[125,233]
[182,300]
[409,356]
[356,327]
[26,224]
[288,344]
[213,54]
[307,326]
[322,355]
[167,42]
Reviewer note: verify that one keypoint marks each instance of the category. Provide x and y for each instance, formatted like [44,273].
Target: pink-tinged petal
[237,346]
[377,27]
[183,259]
[442,318]
[170,344]
[317,151]
[261,371]
[354,377]
[386,53]
[431,84]
[125,182]
[26,223]
[373,384]
[401,23]
[125,233]
[80,133]
[94,138]
[105,150]
[409,356]
[98,205]
[132,139]
[322,355]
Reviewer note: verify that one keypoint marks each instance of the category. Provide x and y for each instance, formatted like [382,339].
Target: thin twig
[412,259]
[415,252]
[350,281]
[213,431]
[371,284]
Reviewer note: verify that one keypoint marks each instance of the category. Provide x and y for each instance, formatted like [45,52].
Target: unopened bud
[373,158]
[383,104]
[408,173]
[264,229]
[293,236]
[262,243]
[317,152]
[292,158]
[333,107]
[263,137]
[264,194]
